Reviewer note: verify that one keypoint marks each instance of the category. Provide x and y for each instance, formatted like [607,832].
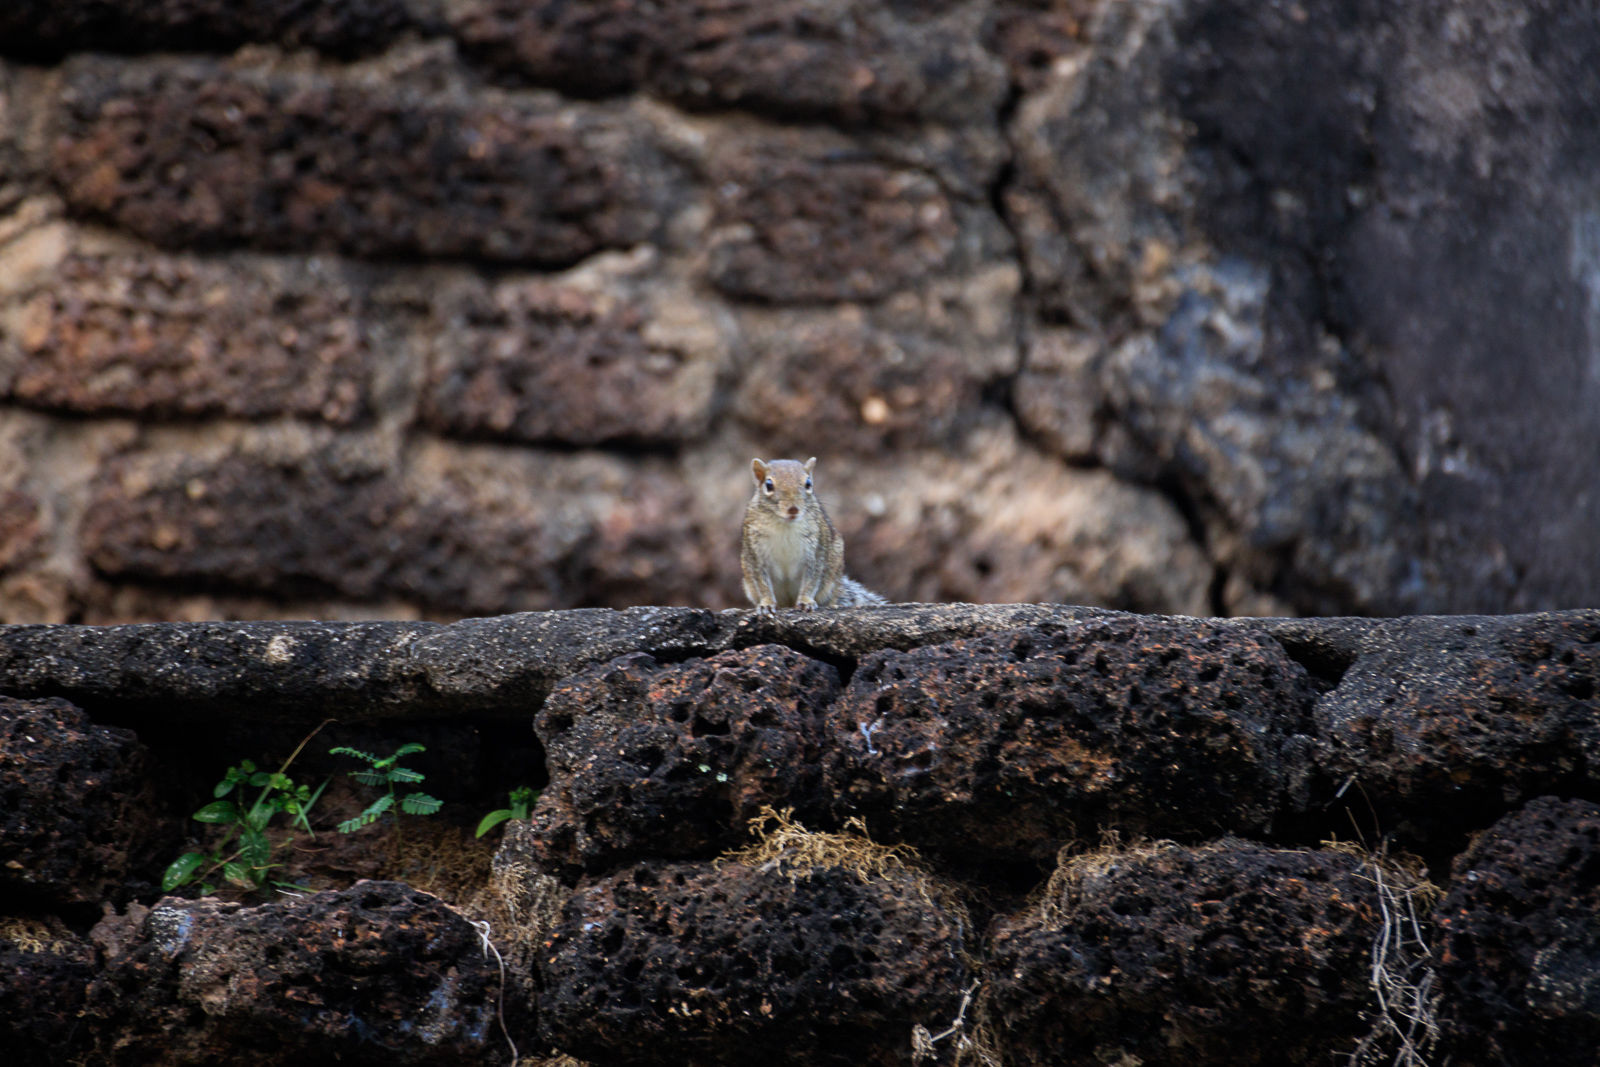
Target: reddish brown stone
[728,964]
[798,230]
[1166,954]
[376,974]
[851,61]
[672,762]
[480,535]
[19,528]
[1008,747]
[539,362]
[1442,723]
[859,390]
[164,336]
[78,816]
[48,29]
[1520,931]
[193,154]
[1057,396]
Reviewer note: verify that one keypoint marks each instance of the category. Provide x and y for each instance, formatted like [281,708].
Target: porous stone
[542,362]
[1160,951]
[800,227]
[730,964]
[850,61]
[1445,722]
[1001,523]
[45,970]
[176,336]
[20,529]
[39,29]
[79,821]
[672,761]
[1520,938]
[193,154]
[468,531]
[379,973]
[860,390]
[1009,746]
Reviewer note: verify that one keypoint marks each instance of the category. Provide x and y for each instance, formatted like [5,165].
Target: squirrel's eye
[768,486]
[808,485]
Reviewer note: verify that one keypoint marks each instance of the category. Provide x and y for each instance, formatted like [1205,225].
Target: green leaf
[369,777]
[182,871]
[405,774]
[239,875]
[218,811]
[255,848]
[491,820]
[303,808]
[346,750]
[420,804]
[373,813]
[408,749]
[522,799]
[261,778]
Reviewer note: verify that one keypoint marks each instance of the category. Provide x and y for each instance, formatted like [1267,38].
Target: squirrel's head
[784,485]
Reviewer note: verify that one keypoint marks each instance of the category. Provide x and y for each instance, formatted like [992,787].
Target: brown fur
[791,554]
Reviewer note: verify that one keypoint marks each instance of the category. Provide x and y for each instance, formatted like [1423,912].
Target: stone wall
[417,308]
[1018,834]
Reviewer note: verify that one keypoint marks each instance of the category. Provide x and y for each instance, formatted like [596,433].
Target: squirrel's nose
[794,511]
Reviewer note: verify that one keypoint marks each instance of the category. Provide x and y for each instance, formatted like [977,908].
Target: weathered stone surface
[480,531]
[45,971]
[495,666]
[1227,954]
[860,390]
[1009,746]
[729,964]
[1521,938]
[1445,722]
[851,61]
[1259,209]
[1001,523]
[40,29]
[162,336]
[78,818]
[374,974]
[535,361]
[802,226]
[195,154]
[20,530]
[1057,395]
[673,761]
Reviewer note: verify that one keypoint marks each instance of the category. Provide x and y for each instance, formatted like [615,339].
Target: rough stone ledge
[504,666]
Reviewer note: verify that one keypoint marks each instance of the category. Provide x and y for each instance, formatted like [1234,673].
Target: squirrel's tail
[852,594]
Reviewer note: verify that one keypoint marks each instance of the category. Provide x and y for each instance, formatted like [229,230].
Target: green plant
[248,860]
[386,773]
[522,799]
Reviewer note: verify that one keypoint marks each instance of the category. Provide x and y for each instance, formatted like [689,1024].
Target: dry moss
[786,846]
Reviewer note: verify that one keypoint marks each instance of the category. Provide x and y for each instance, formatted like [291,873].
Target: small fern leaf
[420,804]
[405,774]
[369,778]
[373,813]
[407,749]
[346,750]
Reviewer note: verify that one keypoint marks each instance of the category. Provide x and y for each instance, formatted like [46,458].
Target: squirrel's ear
[759,469]
[812,462]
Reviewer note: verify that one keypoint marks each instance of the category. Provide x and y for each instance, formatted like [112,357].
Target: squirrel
[791,554]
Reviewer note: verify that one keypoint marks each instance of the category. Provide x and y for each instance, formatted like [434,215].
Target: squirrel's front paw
[765,609]
[806,604]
